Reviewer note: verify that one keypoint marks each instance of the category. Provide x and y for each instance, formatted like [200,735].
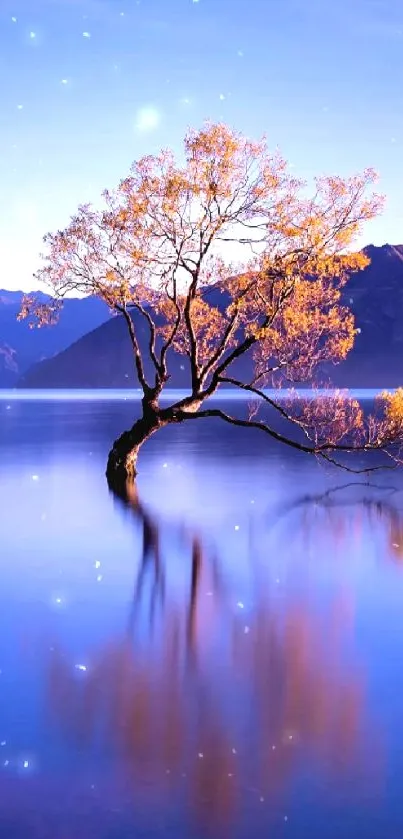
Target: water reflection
[222,705]
[346,509]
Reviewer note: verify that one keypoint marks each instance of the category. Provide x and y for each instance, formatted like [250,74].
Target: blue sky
[90,85]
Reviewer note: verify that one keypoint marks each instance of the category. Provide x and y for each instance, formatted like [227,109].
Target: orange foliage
[158,238]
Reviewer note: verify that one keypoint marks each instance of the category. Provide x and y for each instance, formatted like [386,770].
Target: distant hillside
[21,347]
[376,298]
[103,357]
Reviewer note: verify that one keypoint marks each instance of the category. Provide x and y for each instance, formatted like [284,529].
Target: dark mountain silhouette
[20,346]
[103,357]
[376,298]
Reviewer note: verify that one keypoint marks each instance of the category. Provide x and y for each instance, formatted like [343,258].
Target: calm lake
[221,658]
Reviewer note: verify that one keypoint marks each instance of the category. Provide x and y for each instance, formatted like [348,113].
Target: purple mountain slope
[103,358]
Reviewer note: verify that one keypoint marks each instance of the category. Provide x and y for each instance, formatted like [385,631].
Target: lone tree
[160,249]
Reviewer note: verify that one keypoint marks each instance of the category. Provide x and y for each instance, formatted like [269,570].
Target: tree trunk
[121,470]
[122,460]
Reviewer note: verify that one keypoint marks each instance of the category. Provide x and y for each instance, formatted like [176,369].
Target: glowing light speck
[147,119]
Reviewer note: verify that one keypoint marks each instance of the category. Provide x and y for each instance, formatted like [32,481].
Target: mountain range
[88,348]
[21,346]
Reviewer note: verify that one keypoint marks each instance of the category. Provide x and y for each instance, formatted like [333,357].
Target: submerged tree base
[122,460]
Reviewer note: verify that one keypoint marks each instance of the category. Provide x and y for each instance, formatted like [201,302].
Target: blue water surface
[220,657]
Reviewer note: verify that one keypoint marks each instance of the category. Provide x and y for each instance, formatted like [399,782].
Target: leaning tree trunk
[122,460]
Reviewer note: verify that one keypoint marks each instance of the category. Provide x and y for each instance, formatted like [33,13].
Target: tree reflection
[197,699]
[332,514]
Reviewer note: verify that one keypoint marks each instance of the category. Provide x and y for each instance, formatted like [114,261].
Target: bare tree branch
[136,348]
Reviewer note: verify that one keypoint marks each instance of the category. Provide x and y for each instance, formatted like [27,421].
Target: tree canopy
[232,219]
